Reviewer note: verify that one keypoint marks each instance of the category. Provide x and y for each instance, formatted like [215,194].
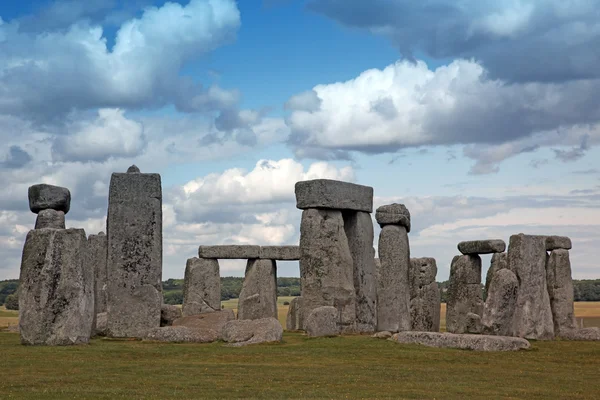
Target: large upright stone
[560,289]
[499,261]
[359,231]
[393,293]
[533,314]
[96,260]
[44,197]
[336,195]
[326,266]
[500,303]
[134,228]
[295,317]
[258,297]
[425,298]
[464,293]
[56,293]
[201,286]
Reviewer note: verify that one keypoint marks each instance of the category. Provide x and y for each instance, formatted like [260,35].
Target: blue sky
[481,117]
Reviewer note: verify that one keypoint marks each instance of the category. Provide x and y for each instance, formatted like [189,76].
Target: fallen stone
[500,303]
[212,321]
[258,297]
[168,314]
[331,194]
[464,293]
[283,253]
[359,231]
[466,342]
[393,291]
[425,297]
[101,324]
[533,314]
[245,332]
[582,334]
[326,266]
[96,259]
[50,218]
[383,335]
[229,252]
[560,290]
[294,320]
[558,242]
[181,334]
[482,246]
[134,230]
[499,261]
[44,197]
[322,321]
[56,292]
[393,214]
[201,286]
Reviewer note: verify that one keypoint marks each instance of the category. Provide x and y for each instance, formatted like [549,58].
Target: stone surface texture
[168,314]
[582,334]
[393,214]
[482,246]
[43,197]
[499,261]
[322,321]
[50,218]
[201,286]
[558,242]
[181,334]
[245,332]
[134,230]
[393,291]
[283,253]
[326,265]
[425,297]
[211,321]
[560,290]
[533,314]
[500,303]
[295,316]
[464,292]
[383,335]
[229,252]
[331,194]
[466,342]
[258,297]
[101,324]
[96,260]
[56,293]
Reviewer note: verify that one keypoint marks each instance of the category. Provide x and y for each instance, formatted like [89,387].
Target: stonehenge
[201,286]
[258,297]
[425,296]
[464,294]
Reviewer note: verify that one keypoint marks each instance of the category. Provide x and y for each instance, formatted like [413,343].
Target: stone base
[466,342]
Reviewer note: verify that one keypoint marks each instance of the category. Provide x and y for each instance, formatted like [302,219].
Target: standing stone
[96,260]
[500,303]
[499,261]
[326,266]
[44,197]
[464,293]
[56,293]
[560,289]
[258,297]
[294,320]
[533,314]
[50,218]
[134,228]
[201,286]
[393,294]
[359,231]
[425,298]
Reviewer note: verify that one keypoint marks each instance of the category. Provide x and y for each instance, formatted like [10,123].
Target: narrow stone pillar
[294,320]
[425,298]
[97,251]
[560,290]
[499,261]
[500,303]
[134,230]
[201,286]
[465,298]
[258,298]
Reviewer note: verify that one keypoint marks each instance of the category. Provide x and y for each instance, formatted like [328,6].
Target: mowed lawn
[343,367]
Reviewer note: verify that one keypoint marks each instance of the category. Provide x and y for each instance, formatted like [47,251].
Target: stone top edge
[333,182]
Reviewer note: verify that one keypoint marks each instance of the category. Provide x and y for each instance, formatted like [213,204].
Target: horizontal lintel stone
[482,246]
[284,253]
[229,251]
[336,195]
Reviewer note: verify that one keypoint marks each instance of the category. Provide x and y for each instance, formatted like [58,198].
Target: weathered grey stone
[425,297]
[393,214]
[294,320]
[582,334]
[50,218]
[474,324]
[258,297]
[134,230]
[229,252]
[133,169]
[322,321]
[464,292]
[499,261]
[326,265]
[500,303]
[482,246]
[558,242]
[283,253]
[533,315]
[101,324]
[168,314]
[181,334]
[560,290]
[466,342]
[96,259]
[331,194]
[393,292]
[245,332]
[383,335]
[359,231]
[201,286]
[43,197]
[56,293]
[211,321]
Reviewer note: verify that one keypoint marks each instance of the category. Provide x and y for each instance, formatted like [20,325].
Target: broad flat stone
[134,230]
[558,242]
[212,321]
[499,261]
[582,334]
[50,218]
[245,332]
[359,231]
[466,342]
[56,292]
[326,265]
[283,253]
[229,252]
[382,335]
[201,286]
[500,303]
[258,297]
[464,292]
[560,290]
[393,291]
[425,297]
[533,314]
[322,321]
[181,334]
[43,197]
[393,214]
[294,320]
[331,194]
[168,314]
[96,259]
[482,246]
